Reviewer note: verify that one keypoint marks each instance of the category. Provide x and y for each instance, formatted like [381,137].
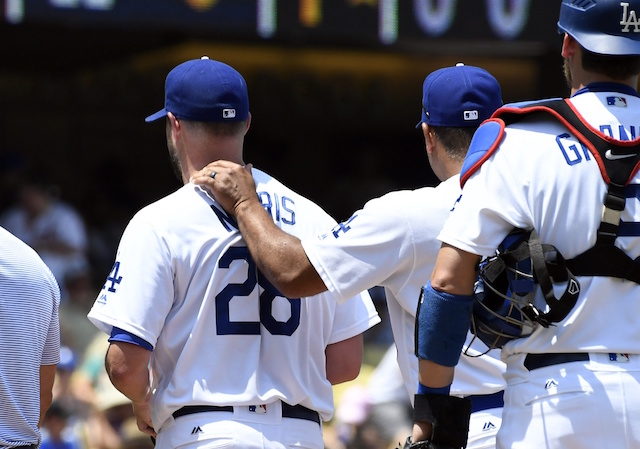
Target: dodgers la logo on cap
[205,90]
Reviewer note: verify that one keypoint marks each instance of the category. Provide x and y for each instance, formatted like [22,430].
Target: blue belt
[288,411]
[481,402]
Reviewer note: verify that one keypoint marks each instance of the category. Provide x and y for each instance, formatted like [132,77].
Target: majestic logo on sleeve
[629,19]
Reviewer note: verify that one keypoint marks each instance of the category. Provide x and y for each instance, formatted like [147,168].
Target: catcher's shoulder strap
[618,162]
[488,136]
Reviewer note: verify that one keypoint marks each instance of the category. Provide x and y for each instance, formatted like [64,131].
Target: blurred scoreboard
[334,22]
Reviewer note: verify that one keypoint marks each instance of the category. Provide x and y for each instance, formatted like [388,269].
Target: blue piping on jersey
[118,334]
[608,87]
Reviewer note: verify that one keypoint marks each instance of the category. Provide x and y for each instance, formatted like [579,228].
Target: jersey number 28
[224,324]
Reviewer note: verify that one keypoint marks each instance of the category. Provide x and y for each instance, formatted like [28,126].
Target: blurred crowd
[87,411]
[372,412]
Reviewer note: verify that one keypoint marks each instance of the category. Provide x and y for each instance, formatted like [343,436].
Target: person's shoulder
[270,184]
[401,199]
[528,103]
[169,204]
[265,181]
[21,256]
[12,244]
[520,115]
[413,204]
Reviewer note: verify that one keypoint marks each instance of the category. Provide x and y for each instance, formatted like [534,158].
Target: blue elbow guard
[442,323]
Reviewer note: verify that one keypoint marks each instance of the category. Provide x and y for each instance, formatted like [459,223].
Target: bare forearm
[344,359]
[47,378]
[433,375]
[129,372]
[278,255]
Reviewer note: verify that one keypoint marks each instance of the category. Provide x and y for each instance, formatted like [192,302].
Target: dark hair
[615,67]
[456,141]
[220,129]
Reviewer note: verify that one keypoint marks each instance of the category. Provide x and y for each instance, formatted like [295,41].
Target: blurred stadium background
[335,90]
[334,85]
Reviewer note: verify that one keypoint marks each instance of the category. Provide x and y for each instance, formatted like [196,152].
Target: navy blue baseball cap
[459,96]
[204,90]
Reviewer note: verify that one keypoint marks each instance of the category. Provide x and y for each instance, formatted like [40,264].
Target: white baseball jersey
[184,281]
[392,242]
[541,177]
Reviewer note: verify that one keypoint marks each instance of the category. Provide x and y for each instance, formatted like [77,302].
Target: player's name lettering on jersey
[629,19]
[620,133]
[281,209]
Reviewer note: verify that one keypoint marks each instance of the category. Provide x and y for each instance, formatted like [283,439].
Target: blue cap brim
[161,113]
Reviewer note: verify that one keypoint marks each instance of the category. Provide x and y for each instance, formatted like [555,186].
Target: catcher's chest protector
[618,162]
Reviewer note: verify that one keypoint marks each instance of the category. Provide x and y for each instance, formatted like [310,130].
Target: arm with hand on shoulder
[279,256]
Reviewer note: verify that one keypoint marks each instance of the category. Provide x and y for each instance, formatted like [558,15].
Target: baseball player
[208,351]
[574,383]
[391,242]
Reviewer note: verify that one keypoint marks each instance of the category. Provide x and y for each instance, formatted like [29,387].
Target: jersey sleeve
[354,317]
[365,250]
[138,292]
[493,202]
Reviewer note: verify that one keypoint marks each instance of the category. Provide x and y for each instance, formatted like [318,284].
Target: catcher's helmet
[607,27]
[505,306]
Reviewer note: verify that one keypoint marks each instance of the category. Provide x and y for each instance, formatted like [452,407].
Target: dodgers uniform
[184,281]
[392,242]
[540,176]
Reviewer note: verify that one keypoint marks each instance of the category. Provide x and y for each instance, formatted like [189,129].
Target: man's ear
[569,46]
[248,123]
[429,137]
[173,120]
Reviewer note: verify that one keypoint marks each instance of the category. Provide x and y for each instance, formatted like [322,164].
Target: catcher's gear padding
[504,307]
[604,258]
[449,418]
